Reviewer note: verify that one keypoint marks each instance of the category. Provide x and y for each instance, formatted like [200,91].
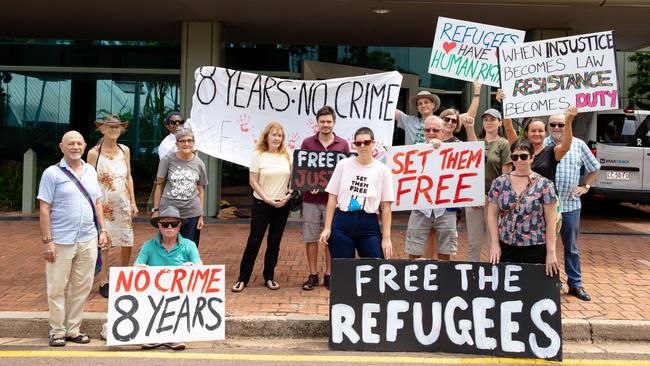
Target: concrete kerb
[35,325]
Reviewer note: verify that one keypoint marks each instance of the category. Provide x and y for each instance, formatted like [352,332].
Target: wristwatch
[587,186]
[47,239]
[155,209]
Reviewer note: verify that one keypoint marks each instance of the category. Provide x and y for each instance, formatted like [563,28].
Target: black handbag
[295,202]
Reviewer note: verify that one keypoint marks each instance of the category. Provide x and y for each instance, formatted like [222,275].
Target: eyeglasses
[168,224]
[556,125]
[516,157]
[176,122]
[431,130]
[363,143]
[450,120]
[186,141]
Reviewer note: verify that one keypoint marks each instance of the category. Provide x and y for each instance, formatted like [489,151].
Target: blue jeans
[352,231]
[569,233]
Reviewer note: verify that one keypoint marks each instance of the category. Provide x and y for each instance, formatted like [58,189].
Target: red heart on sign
[448,46]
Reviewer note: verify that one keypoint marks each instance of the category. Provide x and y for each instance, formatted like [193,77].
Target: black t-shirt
[545,164]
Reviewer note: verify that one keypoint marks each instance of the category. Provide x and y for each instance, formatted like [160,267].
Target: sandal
[239,286]
[81,338]
[57,341]
[272,285]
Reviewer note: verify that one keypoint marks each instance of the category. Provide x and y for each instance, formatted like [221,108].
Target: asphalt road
[298,352]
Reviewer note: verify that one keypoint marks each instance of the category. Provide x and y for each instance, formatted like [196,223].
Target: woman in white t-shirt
[360,189]
[270,172]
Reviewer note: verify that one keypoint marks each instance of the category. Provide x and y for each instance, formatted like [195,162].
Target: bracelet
[47,240]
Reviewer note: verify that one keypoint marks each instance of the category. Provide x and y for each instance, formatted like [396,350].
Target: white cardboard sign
[426,178]
[166,304]
[230,109]
[547,77]
[468,51]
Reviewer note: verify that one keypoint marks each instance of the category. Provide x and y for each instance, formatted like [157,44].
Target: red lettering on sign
[156,281]
[476,157]
[123,282]
[460,186]
[424,154]
[401,191]
[142,274]
[445,153]
[425,190]
[398,162]
[441,188]
[179,274]
[202,276]
[213,279]
[409,162]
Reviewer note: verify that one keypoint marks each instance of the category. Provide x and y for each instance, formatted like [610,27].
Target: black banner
[507,310]
[313,169]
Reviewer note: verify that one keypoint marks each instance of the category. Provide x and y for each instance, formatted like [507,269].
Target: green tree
[639,91]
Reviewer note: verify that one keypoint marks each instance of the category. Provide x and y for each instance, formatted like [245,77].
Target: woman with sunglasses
[545,158]
[360,189]
[180,182]
[270,173]
[522,213]
[173,122]
[453,120]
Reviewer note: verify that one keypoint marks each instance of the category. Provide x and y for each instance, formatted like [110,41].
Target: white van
[620,140]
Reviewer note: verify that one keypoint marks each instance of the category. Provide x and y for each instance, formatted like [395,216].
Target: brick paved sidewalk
[616,269]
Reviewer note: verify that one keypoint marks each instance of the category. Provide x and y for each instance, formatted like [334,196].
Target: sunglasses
[179,122]
[186,141]
[516,157]
[431,130]
[450,120]
[556,125]
[363,143]
[168,224]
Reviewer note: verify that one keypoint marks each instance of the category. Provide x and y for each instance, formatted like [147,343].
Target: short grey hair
[182,132]
[433,118]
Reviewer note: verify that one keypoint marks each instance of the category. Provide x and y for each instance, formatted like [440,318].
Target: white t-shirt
[274,173]
[361,187]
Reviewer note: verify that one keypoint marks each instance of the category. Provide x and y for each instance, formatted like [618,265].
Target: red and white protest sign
[166,304]
[450,176]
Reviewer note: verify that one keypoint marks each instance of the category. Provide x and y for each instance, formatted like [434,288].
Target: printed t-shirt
[181,180]
[361,187]
[412,126]
[274,173]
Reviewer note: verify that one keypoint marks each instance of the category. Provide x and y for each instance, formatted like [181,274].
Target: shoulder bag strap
[85,193]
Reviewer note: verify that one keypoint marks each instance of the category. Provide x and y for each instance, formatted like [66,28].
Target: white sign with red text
[450,176]
[166,304]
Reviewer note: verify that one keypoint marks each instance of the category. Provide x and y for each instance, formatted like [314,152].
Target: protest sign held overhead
[313,169]
[230,109]
[468,51]
[450,176]
[507,310]
[166,304]
[546,77]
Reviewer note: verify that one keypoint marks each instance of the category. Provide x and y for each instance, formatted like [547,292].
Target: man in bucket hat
[426,104]
[168,248]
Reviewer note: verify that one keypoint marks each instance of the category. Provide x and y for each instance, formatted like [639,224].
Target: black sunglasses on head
[168,224]
[179,122]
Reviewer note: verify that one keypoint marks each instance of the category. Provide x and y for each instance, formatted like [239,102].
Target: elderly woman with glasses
[360,192]
[522,213]
[180,182]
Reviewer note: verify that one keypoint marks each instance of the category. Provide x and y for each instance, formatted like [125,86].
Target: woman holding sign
[270,173]
[522,211]
[361,188]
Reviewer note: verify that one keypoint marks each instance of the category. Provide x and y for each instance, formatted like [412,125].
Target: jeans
[189,230]
[569,234]
[263,215]
[355,230]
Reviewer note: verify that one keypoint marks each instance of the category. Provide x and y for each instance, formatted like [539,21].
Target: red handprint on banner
[292,140]
[313,125]
[244,119]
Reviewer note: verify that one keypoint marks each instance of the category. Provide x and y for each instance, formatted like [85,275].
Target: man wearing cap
[168,248]
[71,219]
[567,183]
[426,104]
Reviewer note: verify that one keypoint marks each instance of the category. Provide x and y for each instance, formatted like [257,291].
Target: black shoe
[580,293]
[326,281]
[311,282]
[103,290]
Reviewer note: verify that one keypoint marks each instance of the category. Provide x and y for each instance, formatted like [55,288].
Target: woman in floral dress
[112,162]
[522,212]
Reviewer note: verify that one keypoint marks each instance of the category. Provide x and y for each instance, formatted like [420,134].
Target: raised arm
[511,134]
[567,134]
[476,98]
